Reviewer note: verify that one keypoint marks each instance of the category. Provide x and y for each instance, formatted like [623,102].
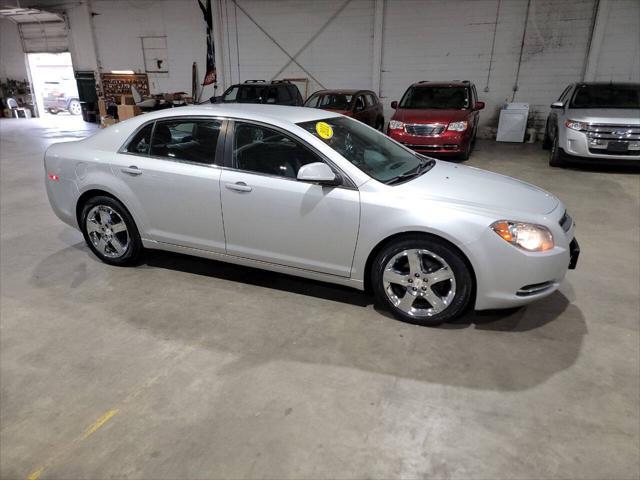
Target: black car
[276,92]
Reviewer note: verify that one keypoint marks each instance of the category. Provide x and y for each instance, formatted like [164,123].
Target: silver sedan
[314,194]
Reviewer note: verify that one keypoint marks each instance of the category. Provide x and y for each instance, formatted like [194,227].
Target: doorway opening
[53,84]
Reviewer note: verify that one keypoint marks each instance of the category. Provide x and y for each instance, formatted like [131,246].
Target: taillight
[53,177]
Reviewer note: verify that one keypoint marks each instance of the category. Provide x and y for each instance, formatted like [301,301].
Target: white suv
[597,122]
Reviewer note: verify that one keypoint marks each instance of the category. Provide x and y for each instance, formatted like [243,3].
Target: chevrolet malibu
[314,194]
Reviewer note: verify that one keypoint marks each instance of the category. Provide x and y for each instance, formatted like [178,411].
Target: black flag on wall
[210,76]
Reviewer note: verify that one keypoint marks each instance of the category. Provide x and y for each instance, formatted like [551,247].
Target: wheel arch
[413,234]
[96,192]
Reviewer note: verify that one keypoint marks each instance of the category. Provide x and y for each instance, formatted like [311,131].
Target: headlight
[573,125]
[533,238]
[458,126]
[396,125]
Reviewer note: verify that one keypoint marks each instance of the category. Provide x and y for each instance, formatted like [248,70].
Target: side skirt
[247,262]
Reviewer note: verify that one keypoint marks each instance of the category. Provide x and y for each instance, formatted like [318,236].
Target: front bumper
[577,144]
[448,142]
[508,276]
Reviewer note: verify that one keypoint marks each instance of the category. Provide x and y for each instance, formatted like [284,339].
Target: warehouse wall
[12,59]
[618,56]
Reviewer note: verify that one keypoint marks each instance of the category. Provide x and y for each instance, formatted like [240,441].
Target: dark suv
[277,92]
[362,105]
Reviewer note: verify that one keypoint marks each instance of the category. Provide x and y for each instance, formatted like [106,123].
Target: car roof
[246,111]
[606,84]
[338,91]
[453,83]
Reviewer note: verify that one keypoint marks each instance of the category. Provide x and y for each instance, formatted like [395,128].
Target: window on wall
[156,55]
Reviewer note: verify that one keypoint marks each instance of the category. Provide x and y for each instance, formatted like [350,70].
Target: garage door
[48,37]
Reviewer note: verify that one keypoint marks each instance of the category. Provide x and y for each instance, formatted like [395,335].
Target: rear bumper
[448,142]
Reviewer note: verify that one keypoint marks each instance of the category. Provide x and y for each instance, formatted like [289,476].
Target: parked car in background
[56,102]
[439,118]
[314,194]
[362,105]
[276,92]
[595,122]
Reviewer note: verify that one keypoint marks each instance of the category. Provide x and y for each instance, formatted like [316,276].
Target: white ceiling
[28,15]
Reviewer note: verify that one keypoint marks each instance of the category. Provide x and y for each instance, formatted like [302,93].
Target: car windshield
[371,151]
[449,98]
[337,101]
[606,96]
[244,93]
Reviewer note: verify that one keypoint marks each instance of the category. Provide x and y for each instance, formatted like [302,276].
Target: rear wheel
[422,280]
[75,107]
[110,231]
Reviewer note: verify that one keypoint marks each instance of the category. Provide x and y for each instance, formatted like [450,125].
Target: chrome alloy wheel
[419,282]
[107,231]
[75,108]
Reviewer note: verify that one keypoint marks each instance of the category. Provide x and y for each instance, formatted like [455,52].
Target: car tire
[556,156]
[464,156]
[380,124]
[427,269]
[53,111]
[110,231]
[74,107]
[546,140]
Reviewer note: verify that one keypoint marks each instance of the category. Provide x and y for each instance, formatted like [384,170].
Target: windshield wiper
[424,166]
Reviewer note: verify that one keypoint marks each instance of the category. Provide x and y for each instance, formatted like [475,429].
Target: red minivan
[437,118]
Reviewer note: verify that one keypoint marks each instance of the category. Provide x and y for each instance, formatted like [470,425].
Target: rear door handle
[238,187]
[131,170]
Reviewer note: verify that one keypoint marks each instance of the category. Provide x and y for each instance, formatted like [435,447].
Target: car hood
[410,115]
[480,189]
[619,116]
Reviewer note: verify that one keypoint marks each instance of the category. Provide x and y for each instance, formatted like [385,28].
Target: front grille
[424,129]
[566,221]
[448,146]
[619,133]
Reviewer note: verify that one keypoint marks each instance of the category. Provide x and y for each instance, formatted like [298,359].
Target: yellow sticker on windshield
[324,130]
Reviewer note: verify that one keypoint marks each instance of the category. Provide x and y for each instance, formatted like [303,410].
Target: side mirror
[216,99]
[557,105]
[479,105]
[394,105]
[318,172]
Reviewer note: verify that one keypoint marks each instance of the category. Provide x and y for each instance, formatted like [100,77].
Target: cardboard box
[128,111]
[127,100]
[102,107]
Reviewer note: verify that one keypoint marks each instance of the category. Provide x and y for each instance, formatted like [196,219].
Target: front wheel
[556,158]
[422,280]
[110,231]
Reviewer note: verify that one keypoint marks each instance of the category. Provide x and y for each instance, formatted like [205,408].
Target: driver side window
[269,152]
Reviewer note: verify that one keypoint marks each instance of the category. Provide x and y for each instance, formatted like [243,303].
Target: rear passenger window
[141,141]
[188,140]
[284,94]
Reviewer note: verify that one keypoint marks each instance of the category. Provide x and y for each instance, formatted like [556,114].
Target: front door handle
[131,170]
[238,187]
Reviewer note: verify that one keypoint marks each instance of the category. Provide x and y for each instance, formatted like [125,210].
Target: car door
[271,216]
[173,183]
[360,109]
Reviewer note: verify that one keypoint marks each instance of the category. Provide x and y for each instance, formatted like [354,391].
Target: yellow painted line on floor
[100,422]
[36,474]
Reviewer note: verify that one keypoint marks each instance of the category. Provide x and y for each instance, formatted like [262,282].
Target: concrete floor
[187,368]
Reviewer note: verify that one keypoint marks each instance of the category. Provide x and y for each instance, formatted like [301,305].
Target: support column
[378,29]
[597,37]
